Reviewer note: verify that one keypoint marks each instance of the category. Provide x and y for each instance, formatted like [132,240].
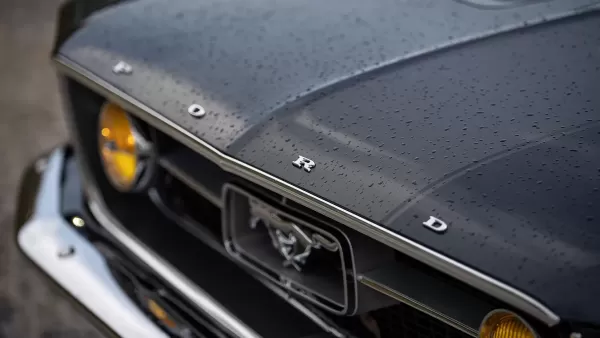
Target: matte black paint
[499,137]
[530,218]
[243,59]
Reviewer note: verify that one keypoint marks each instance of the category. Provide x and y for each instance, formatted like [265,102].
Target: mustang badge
[293,243]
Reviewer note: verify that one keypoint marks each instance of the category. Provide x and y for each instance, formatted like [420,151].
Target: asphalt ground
[31,122]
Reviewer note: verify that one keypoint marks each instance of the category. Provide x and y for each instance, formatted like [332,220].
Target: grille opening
[403,321]
[413,263]
[396,321]
[139,286]
[190,207]
[203,175]
[224,281]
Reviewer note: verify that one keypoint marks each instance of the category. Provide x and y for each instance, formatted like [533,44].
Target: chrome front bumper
[68,258]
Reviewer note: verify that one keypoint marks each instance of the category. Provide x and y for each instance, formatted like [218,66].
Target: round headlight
[125,153]
[505,324]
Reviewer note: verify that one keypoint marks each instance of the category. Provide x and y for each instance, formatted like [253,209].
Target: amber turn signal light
[505,324]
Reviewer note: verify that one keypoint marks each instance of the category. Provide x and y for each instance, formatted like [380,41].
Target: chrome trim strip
[75,264]
[417,305]
[403,244]
[197,296]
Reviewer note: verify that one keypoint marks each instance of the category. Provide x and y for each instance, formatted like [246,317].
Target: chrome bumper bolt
[66,252]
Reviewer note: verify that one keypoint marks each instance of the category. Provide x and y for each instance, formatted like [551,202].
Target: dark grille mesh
[403,321]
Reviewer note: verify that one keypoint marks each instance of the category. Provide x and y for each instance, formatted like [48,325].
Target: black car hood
[410,109]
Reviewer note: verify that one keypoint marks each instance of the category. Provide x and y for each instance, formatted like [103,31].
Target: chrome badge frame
[282,247]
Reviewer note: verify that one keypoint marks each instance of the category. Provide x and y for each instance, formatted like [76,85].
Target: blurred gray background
[30,123]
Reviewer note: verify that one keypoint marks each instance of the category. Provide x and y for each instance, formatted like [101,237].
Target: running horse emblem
[292,242]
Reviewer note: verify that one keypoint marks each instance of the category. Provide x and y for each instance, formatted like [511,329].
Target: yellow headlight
[505,324]
[120,146]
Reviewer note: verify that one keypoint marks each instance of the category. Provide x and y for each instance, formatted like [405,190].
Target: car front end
[244,182]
